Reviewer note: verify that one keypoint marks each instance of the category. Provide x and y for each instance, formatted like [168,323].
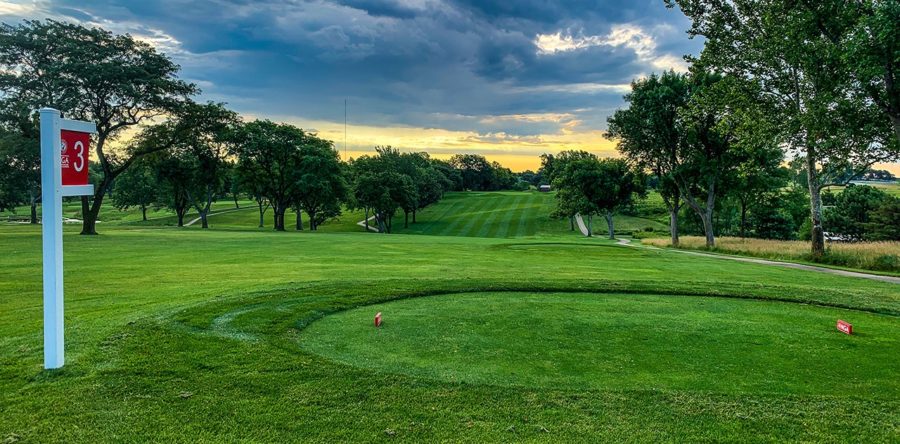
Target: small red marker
[843,326]
[378,319]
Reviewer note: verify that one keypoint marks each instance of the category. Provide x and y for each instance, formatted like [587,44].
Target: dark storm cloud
[404,62]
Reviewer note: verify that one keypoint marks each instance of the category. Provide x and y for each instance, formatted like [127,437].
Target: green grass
[892,188]
[187,335]
[618,342]
[505,214]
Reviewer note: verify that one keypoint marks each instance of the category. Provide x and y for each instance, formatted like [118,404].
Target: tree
[757,178]
[380,187]
[451,178]
[554,165]
[884,222]
[137,187]
[850,214]
[20,176]
[864,35]
[174,171]
[597,187]
[207,140]
[270,160]
[811,60]
[647,133]
[321,186]
[90,74]
[712,127]
[476,171]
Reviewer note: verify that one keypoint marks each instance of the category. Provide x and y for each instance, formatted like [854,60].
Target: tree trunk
[815,206]
[144,212]
[180,213]
[673,226]
[90,213]
[609,225]
[414,216]
[300,221]
[279,219]
[571,223]
[367,220]
[236,205]
[34,211]
[204,223]
[705,214]
[706,217]
[262,213]
[379,219]
[743,219]
[590,227]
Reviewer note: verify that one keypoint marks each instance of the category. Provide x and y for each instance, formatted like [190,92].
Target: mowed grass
[505,214]
[618,342]
[487,214]
[189,335]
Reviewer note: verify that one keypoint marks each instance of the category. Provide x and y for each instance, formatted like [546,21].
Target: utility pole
[345,131]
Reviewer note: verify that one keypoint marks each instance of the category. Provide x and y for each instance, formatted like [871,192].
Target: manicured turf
[618,341]
[184,335]
[504,214]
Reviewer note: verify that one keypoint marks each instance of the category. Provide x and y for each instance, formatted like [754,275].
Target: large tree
[827,72]
[137,187]
[114,81]
[20,181]
[270,159]
[322,187]
[597,187]
[207,139]
[379,186]
[647,133]
[554,165]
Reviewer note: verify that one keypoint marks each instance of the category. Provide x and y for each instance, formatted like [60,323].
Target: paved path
[581,226]
[195,220]
[362,223]
[874,277]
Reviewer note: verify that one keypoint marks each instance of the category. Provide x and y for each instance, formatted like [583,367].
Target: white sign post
[52,192]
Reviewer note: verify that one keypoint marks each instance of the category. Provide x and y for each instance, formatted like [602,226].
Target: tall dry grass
[880,256]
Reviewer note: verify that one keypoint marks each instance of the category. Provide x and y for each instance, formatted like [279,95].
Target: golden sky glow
[516,152]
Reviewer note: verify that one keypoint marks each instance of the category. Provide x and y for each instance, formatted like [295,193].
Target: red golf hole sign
[74,151]
[845,327]
[378,319]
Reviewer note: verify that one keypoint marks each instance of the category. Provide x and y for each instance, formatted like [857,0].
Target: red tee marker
[845,327]
[378,319]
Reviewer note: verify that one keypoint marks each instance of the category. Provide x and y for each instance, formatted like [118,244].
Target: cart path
[581,226]
[197,219]
[362,223]
[752,260]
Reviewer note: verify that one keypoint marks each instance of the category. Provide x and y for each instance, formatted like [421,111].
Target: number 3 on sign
[79,152]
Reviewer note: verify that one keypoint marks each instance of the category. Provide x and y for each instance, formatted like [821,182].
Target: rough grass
[878,256]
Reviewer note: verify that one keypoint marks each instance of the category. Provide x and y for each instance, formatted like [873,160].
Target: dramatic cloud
[507,79]
[628,36]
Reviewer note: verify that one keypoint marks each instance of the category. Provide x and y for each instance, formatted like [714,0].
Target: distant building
[545,188]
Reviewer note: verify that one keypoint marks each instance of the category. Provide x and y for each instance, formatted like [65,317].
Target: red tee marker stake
[845,327]
[378,319]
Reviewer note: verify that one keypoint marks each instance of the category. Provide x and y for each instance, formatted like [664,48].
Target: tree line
[807,84]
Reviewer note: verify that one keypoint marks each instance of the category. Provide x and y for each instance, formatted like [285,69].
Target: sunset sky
[507,79]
